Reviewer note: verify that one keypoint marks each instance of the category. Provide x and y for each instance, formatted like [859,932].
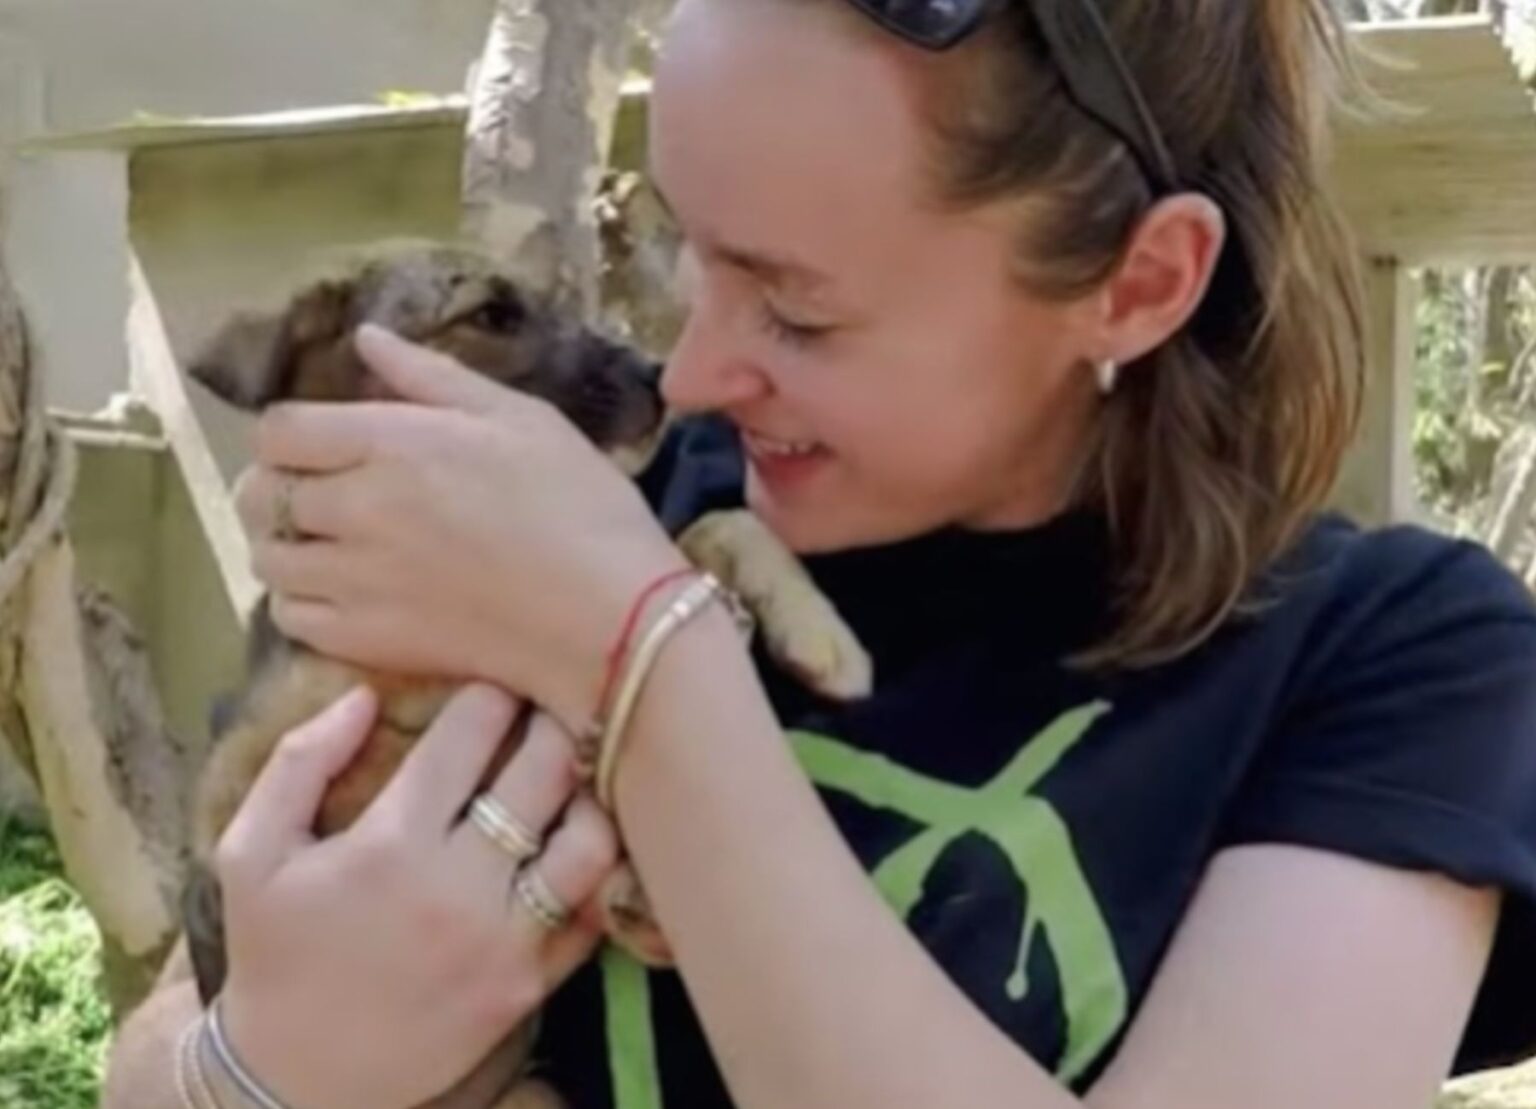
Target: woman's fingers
[323,438]
[529,793]
[313,506]
[580,854]
[313,569]
[426,376]
[434,783]
[279,810]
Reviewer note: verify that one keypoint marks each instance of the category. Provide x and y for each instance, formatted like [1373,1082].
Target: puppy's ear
[250,362]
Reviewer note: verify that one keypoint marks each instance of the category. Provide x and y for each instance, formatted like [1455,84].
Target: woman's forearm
[810,988]
[141,1073]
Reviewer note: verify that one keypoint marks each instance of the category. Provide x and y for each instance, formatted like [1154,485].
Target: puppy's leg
[802,630]
[628,920]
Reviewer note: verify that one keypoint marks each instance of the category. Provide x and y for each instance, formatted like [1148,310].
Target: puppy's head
[455,301]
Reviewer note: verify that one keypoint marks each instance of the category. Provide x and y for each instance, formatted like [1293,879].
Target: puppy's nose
[650,373]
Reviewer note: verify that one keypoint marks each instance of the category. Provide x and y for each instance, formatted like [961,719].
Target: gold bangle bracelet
[692,601]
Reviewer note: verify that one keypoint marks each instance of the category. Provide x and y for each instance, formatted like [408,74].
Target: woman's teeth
[781,448]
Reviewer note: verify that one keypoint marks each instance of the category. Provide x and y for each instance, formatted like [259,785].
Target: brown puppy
[463,304]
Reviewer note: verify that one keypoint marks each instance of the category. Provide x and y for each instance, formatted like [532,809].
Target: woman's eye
[788,331]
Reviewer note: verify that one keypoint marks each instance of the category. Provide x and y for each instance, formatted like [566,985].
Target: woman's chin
[821,518]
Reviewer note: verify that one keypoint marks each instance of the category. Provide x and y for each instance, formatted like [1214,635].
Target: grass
[54,1022]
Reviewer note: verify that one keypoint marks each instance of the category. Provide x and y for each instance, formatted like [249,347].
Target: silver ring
[542,903]
[503,829]
[283,526]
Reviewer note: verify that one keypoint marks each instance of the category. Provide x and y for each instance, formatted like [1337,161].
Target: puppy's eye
[500,316]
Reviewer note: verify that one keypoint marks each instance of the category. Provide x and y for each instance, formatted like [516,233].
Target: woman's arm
[141,1070]
[1298,978]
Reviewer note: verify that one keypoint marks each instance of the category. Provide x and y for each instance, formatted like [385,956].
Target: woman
[1039,343]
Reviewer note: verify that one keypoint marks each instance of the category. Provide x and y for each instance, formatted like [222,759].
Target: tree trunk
[542,103]
[78,709]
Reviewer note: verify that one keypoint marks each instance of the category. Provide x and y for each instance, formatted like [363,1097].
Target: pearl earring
[1107,372]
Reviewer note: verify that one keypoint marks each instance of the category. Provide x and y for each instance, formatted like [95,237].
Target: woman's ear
[1163,276]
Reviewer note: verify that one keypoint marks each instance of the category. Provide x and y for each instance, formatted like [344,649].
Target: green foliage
[1468,396]
[54,1023]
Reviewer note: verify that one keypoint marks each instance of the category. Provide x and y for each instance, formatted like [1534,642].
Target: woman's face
[887,373]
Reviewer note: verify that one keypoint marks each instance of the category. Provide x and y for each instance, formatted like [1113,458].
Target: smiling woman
[1036,337]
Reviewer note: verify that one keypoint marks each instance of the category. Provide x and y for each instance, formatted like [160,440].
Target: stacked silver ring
[542,903]
[522,845]
[506,831]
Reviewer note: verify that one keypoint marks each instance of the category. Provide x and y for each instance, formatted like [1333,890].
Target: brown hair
[1218,447]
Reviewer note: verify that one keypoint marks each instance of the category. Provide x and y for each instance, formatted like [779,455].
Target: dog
[462,303]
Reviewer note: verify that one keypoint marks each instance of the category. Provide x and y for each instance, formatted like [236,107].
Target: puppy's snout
[650,373]
[603,356]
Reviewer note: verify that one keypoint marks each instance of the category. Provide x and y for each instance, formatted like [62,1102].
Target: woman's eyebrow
[772,270]
[775,271]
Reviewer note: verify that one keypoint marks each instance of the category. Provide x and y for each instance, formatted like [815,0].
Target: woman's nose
[705,374]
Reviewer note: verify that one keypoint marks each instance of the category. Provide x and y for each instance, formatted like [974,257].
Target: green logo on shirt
[1059,903]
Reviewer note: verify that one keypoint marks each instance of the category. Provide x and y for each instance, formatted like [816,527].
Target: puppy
[465,305]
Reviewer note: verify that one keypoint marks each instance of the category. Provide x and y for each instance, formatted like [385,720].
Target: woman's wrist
[704,665]
[236,1057]
[208,1073]
[627,601]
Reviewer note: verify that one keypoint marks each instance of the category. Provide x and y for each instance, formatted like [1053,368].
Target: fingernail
[489,699]
[357,701]
[374,335]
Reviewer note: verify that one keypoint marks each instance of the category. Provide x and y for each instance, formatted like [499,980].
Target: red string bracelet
[620,646]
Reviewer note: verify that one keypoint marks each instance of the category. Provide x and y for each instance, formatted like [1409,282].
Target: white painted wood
[1444,168]
[1376,484]
[155,376]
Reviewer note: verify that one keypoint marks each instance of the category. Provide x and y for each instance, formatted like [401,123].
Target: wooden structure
[1441,172]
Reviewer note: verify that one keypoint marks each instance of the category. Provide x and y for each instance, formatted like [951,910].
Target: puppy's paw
[801,629]
[810,640]
[628,921]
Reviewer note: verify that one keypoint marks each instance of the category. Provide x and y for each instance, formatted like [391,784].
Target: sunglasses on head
[1082,49]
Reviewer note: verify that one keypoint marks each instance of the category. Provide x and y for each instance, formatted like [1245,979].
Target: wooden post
[1376,486]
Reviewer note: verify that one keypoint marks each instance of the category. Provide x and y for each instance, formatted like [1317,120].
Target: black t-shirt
[1042,830]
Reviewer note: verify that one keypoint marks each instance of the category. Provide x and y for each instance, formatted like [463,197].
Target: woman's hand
[473,533]
[378,967]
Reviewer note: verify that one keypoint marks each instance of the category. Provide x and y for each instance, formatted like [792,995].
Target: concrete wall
[71,65]
[136,537]
[230,223]
[102,60]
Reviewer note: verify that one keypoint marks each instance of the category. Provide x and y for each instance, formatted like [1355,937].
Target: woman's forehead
[773,128]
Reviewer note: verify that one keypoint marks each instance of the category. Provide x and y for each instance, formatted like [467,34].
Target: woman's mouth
[783,463]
